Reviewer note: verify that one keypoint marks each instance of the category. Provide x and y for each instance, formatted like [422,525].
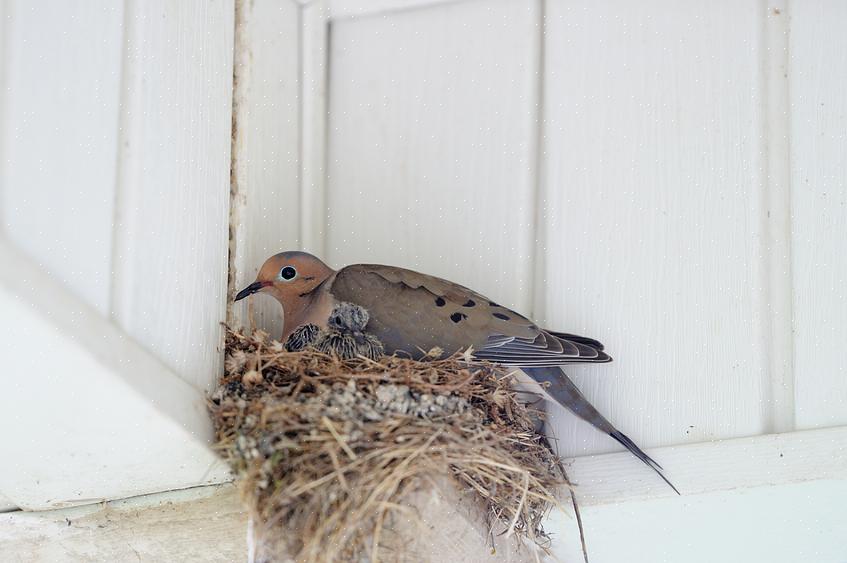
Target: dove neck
[313,308]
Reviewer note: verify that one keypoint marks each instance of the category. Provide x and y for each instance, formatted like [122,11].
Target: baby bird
[302,337]
[344,336]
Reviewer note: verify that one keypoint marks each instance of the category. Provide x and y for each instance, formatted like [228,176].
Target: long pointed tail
[569,396]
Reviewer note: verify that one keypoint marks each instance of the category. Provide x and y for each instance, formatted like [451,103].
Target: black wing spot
[440,301]
[470,303]
[456,317]
[502,317]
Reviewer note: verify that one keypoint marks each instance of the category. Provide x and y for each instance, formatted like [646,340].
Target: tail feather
[624,440]
[569,396]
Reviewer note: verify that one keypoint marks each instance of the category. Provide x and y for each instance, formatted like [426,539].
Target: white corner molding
[88,414]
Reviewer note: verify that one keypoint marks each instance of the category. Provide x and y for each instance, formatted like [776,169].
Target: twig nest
[329,452]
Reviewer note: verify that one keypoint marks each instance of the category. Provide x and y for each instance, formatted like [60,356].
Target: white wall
[818,137]
[632,172]
[667,177]
[114,177]
[115,135]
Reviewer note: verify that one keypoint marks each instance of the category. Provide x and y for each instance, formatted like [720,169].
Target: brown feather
[411,313]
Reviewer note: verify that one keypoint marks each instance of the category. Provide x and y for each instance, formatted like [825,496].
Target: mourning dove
[412,313]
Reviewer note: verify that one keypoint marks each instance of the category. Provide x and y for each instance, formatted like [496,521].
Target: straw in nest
[329,452]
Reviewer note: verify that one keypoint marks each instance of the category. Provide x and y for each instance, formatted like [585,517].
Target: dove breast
[411,313]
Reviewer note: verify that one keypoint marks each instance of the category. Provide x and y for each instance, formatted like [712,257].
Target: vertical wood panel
[314,29]
[431,143]
[266,201]
[62,72]
[773,299]
[652,214]
[818,75]
[173,200]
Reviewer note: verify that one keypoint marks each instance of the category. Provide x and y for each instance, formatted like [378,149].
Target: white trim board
[344,9]
[775,498]
[771,508]
[203,524]
[90,415]
[6,505]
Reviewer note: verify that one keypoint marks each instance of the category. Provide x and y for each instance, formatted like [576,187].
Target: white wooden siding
[115,123]
[431,141]
[171,232]
[115,170]
[818,76]
[91,414]
[630,173]
[651,218]
[61,72]
[265,213]
[664,176]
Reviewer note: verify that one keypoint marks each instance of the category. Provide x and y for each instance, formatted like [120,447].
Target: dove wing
[412,312]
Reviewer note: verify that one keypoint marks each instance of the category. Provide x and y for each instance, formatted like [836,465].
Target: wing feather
[412,312]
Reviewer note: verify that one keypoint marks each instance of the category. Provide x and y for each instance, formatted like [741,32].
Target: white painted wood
[652,229]
[208,524]
[431,137]
[818,74]
[204,524]
[775,299]
[6,505]
[173,201]
[339,9]
[89,415]
[314,33]
[723,465]
[265,214]
[62,71]
[776,498]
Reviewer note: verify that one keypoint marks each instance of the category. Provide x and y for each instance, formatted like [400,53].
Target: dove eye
[288,273]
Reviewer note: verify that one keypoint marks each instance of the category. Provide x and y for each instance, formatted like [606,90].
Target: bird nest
[329,451]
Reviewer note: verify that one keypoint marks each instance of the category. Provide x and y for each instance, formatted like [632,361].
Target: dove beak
[251,289]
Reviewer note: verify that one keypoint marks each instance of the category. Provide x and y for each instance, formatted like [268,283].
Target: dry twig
[326,450]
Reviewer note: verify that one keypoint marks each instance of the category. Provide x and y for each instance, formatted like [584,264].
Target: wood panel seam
[777,186]
[539,236]
[124,102]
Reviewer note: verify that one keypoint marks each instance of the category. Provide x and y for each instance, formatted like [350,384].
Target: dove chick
[302,337]
[410,313]
[344,335]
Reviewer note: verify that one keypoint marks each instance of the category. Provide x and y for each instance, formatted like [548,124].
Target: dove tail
[624,440]
[567,394]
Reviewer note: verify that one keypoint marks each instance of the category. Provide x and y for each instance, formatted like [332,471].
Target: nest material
[326,449]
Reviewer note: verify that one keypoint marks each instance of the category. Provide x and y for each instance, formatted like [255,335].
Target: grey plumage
[344,336]
[348,345]
[563,390]
[303,337]
[348,317]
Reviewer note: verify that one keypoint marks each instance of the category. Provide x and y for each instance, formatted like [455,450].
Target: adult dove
[411,313]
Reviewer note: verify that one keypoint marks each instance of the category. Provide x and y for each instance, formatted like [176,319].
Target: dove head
[289,277]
